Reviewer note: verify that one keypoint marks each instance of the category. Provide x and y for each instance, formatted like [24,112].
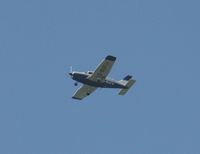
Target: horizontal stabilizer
[129,85]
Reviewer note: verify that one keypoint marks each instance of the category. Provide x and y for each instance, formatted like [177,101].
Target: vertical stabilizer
[125,80]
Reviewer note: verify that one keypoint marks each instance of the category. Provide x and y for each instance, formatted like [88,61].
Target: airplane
[92,80]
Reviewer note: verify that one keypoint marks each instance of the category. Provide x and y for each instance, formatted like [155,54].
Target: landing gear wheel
[76,84]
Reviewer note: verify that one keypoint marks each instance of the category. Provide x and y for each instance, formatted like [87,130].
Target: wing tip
[111,58]
[76,98]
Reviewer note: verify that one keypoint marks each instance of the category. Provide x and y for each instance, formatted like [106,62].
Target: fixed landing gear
[76,84]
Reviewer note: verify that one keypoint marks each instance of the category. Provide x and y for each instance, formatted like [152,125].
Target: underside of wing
[103,69]
[83,91]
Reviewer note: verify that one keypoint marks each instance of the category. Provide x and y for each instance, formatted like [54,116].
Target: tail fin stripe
[128,77]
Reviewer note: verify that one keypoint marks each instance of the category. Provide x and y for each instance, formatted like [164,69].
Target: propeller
[70,71]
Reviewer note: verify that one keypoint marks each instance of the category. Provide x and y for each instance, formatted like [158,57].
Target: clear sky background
[155,41]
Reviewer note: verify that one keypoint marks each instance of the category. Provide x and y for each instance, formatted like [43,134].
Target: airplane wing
[83,91]
[103,69]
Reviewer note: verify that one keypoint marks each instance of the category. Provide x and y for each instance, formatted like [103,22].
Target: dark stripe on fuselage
[107,84]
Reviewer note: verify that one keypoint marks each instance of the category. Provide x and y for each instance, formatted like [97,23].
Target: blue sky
[155,41]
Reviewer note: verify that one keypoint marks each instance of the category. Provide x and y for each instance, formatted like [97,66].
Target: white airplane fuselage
[83,77]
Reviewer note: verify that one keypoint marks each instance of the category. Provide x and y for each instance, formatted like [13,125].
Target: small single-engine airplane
[98,79]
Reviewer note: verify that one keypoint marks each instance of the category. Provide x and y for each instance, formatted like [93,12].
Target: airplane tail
[128,82]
